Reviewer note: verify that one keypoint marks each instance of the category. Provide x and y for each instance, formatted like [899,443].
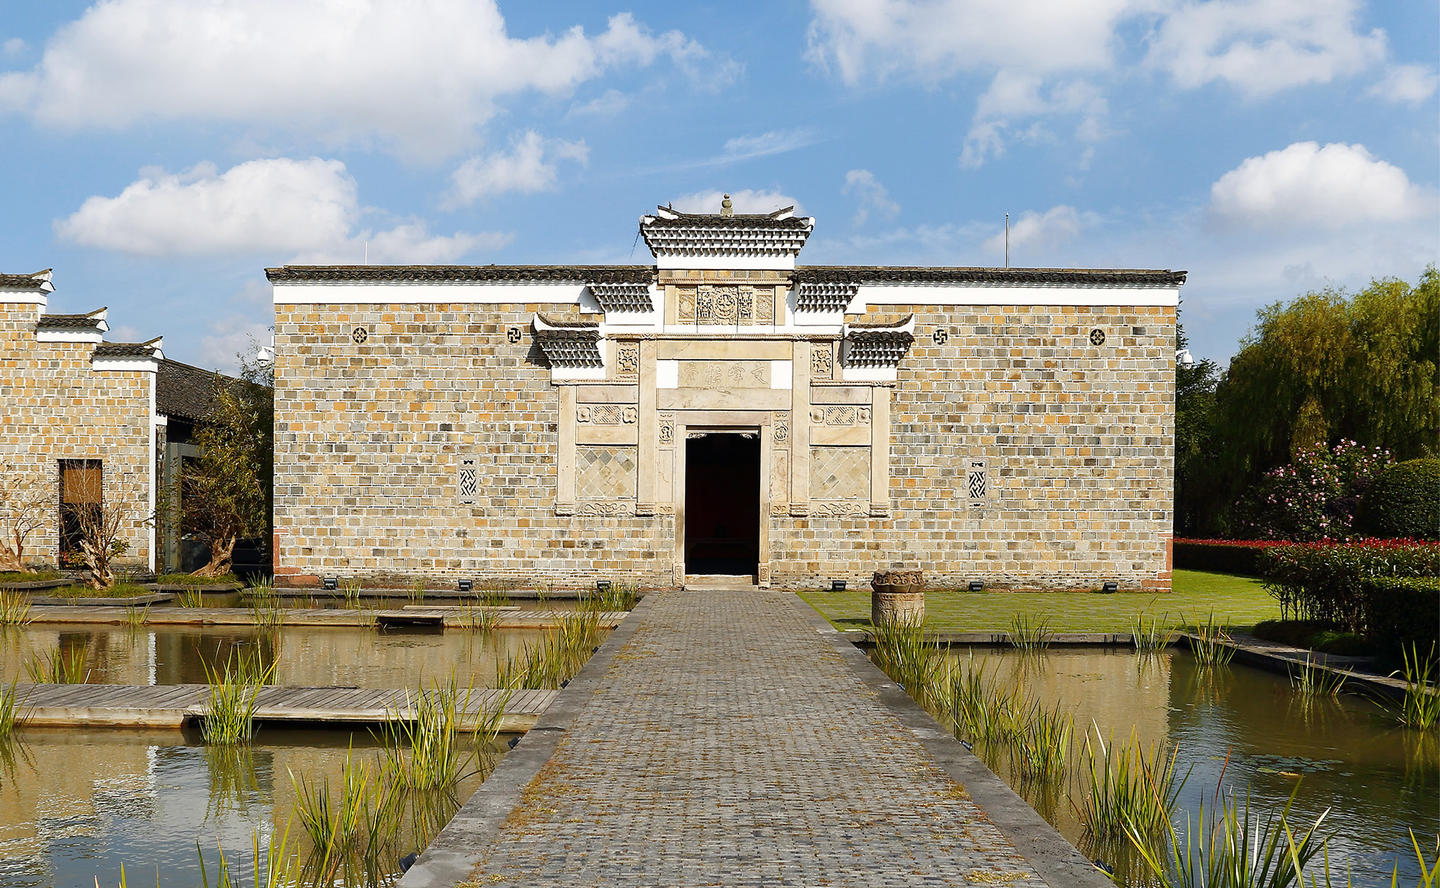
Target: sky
[159,154]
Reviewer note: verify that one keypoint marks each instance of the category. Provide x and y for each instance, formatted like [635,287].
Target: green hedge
[1222,556]
[1321,581]
[1401,611]
[1404,501]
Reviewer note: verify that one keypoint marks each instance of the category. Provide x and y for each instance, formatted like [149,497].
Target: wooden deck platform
[171,706]
[455,617]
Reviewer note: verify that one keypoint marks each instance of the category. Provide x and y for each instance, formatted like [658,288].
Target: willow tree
[223,490]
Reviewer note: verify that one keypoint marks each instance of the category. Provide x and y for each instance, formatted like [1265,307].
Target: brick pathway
[730,744]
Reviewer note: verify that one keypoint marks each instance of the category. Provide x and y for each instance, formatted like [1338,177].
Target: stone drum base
[897,596]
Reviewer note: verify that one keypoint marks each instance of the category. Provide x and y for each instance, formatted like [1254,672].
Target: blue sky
[158,154]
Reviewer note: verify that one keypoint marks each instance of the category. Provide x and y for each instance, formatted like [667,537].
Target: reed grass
[1419,706]
[1041,748]
[1312,680]
[1238,848]
[190,598]
[136,617]
[558,657]
[234,689]
[334,821]
[1152,638]
[620,596]
[417,591]
[1127,790]
[350,591]
[913,659]
[61,666]
[480,619]
[1030,633]
[1210,644]
[14,607]
[435,758]
[266,616]
[1429,872]
[12,714]
[492,593]
[280,867]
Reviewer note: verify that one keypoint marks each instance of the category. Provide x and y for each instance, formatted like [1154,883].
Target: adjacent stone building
[725,410]
[88,422]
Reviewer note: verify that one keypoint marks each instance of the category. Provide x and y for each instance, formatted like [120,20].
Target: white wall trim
[687,261]
[782,374]
[402,293]
[667,373]
[130,365]
[24,297]
[1004,294]
[869,374]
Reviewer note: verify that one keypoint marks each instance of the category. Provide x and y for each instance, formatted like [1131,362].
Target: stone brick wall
[1075,440]
[368,437]
[57,406]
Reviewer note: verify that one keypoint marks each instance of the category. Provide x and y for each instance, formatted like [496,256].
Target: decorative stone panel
[840,473]
[739,305]
[604,472]
[724,374]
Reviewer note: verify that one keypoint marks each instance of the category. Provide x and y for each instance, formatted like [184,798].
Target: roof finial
[727,208]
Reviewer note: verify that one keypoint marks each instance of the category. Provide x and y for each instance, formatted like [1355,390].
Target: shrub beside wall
[1401,611]
[1223,556]
[1321,581]
[1404,501]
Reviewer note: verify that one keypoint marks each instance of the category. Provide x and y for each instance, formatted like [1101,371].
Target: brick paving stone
[729,744]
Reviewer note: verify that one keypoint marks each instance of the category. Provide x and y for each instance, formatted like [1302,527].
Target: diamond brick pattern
[604,472]
[840,473]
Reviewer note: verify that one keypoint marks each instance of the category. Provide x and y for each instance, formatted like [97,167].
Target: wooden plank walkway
[170,706]
[456,617]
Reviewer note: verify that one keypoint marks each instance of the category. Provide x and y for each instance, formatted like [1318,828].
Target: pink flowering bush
[1314,497]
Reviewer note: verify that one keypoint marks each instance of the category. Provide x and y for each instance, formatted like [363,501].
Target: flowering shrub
[1224,556]
[1322,581]
[1314,497]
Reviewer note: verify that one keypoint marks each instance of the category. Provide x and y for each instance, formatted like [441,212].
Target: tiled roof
[780,219]
[124,350]
[95,320]
[580,274]
[39,280]
[908,274]
[185,391]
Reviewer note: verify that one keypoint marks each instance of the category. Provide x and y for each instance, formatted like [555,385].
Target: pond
[77,805]
[304,656]
[372,601]
[1247,730]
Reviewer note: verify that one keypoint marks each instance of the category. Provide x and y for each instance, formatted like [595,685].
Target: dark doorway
[722,504]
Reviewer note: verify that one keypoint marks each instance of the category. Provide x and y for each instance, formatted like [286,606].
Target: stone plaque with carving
[627,359]
[667,429]
[724,374]
[822,360]
[839,416]
[729,305]
[780,427]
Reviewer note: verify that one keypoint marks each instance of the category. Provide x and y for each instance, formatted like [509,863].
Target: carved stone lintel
[606,509]
[840,508]
[645,509]
[664,508]
[799,510]
[564,508]
[779,510]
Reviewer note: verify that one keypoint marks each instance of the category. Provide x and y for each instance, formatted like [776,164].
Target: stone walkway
[730,744]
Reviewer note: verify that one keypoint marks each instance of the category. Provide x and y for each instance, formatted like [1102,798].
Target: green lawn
[1236,601]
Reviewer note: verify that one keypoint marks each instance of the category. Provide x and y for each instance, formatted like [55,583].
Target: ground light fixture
[1108,588]
[602,586]
[465,585]
[331,583]
[977,586]
[837,585]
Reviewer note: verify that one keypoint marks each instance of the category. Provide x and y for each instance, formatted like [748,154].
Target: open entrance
[722,504]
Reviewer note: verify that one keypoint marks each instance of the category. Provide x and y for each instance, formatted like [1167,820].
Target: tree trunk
[221,551]
[13,559]
[99,564]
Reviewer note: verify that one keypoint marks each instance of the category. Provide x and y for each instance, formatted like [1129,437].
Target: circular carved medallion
[359,334]
[1097,336]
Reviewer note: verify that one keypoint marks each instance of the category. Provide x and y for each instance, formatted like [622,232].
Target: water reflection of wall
[304,656]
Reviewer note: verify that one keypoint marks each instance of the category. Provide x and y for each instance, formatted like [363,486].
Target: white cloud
[529,166]
[12,47]
[1056,225]
[765,144]
[1014,96]
[743,201]
[1261,47]
[1306,185]
[607,104]
[1411,84]
[228,339]
[274,206]
[871,196]
[420,77]
[934,39]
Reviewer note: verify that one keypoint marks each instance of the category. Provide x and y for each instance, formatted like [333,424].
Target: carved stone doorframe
[751,425]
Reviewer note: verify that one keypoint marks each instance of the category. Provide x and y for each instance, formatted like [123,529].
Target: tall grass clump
[190,598]
[1030,634]
[1211,645]
[913,659]
[12,714]
[234,690]
[1042,745]
[350,592]
[558,657]
[480,619]
[335,821]
[1149,639]
[619,596]
[417,591]
[62,666]
[435,760]
[135,617]
[1312,680]
[14,607]
[1127,790]
[492,593]
[1238,848]
[1419,707]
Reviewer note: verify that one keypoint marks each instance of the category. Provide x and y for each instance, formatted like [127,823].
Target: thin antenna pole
[1007,240]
